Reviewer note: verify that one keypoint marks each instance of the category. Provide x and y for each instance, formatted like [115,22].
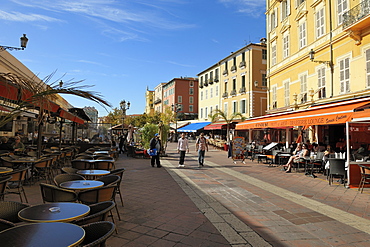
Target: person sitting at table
[360,153]
[329,151]
[18,145]
[300,152]
[5,145]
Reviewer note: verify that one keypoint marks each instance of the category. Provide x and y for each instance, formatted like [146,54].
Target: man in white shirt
[182,147]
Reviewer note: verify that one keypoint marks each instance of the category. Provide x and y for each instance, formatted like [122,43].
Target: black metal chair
[119,172]
[60,178]
[9,210]
[365,177]
[109,179]
[69,170]
[101,194]
[337,169]
[4,224]
[96,234]
[15,184]
[98,212]
[52,193]
[3,186]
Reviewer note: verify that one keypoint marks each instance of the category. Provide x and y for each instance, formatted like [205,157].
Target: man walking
[201,146]
[155,148]
[182,147]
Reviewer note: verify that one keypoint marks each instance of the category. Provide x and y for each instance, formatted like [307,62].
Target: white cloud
[20,17]
[179,64]
[254,8]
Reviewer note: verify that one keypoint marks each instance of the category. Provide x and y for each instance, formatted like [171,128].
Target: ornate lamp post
[124,107]
[24,41]
[176,108]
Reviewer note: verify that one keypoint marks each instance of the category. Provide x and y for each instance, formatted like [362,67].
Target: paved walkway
[227,204]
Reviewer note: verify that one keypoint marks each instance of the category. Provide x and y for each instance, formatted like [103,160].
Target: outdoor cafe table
[55,234]
[81,184]
[54,212]
[93,173]
[5,169]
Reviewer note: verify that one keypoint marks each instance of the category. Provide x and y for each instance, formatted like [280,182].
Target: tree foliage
[217,115]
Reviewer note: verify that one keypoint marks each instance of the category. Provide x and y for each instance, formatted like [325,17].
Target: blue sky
[123,46]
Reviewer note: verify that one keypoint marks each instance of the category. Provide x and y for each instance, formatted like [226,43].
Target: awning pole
[348,156]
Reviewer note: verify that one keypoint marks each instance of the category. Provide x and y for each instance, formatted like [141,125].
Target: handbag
[152,152]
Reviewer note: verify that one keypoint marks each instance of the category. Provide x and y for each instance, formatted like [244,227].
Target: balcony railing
[233,68]
[357,13]
[225,72]
[242,64]
[216,79]
[210,81]
[233,92]
[201,85]
[225,95]
[242,90]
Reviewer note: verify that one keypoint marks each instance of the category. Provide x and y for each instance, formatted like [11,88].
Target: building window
[225,86]
[243,106]
[225,109]
[321,82]
[206,96]
[274,98]
[191,100]
[235,107]
[206,112]
[201,112]
[273,19]
[179,99]
[286,93]
[264,54]
[216,75]
[342,6]
[302,35]
[234,84]
[286,46]
[273,53]
[285,9]
[216,106]
[368,67]
[191,83]
[344,75]
[264,80]
[211,93]
[211,76]
[191,91]
[299,2]
[216,91]
[191,108]
[303,79]
[243,81]
[320,23]
[210,110]
[201,95]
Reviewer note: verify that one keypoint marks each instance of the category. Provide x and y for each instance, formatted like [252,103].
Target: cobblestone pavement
[227,204]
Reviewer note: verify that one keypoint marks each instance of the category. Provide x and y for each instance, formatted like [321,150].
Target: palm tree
[220,115]
[35,94]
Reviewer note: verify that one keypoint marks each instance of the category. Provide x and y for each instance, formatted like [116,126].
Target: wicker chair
[81,165]
[98,212]
[109,179]
[119,172]
[69,170]
[52,193]
[6,161]
[365,177]
[60,178]
[3,186]
[9,210]
[97,233]
[15,184]
[101,194]
[84,157]
[4,224]
[42,169]
[104,165]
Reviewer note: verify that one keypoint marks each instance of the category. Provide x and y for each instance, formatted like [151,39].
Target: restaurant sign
[302,120]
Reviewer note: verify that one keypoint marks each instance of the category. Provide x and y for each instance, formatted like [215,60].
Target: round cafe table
[5,169]
[93,173]
[54,212]
[81,184]
[54,234]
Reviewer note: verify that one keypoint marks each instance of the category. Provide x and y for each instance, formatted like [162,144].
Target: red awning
[335,113]
[67,115]
[219,126]
[8,91]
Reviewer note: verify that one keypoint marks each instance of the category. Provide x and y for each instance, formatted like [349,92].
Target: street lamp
[176,108]
[330,63]
[24,41]
[124,107]
[256,85]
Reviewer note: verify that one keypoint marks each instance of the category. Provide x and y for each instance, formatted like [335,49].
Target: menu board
[238,147]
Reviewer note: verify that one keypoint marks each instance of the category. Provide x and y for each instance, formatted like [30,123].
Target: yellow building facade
[149,102]
[236,84]
[318,52]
